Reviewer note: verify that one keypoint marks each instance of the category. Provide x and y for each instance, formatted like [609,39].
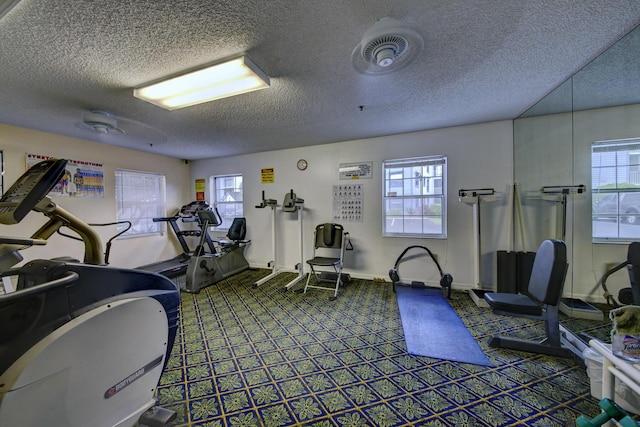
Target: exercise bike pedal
[157,417]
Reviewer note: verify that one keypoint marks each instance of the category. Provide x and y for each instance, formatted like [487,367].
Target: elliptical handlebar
[42,288]
[22,241]
[29,192]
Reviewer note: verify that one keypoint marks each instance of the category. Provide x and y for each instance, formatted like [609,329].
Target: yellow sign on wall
[200,186]
[267,176]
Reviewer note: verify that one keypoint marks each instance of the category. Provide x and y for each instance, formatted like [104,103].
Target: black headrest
[329,234]
[238,229]
[548,272]
[633,253]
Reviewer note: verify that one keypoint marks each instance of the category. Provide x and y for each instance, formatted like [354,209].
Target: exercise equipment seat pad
[513,302]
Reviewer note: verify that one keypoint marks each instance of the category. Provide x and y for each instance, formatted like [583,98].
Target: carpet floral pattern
[264,356]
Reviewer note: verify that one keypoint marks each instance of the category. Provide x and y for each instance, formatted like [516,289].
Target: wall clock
[302,164]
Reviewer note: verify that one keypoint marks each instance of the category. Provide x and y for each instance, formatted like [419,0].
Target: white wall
[479,156]
[15,142]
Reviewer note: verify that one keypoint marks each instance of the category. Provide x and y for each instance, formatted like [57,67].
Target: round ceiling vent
[102,122]
[386,47]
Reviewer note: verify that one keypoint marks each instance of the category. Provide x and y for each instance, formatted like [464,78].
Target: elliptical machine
[81,343]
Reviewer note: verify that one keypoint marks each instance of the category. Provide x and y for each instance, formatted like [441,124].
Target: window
[615,180]
[228,198]
[414,202]
[140,197]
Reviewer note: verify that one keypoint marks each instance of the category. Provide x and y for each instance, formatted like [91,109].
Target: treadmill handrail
[69,277]
[165,218]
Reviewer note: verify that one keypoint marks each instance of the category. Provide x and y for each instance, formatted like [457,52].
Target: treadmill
[176,268]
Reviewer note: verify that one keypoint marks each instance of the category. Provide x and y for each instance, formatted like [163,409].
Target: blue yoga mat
[432,328]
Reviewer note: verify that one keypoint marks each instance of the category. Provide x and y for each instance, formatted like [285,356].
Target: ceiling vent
[102,122]
[386,47]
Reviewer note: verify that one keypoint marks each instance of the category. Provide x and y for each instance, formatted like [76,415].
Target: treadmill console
[30,189]
[189,212]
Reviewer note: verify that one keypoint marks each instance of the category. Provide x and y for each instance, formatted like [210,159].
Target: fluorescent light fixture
[234,77]
[6,6]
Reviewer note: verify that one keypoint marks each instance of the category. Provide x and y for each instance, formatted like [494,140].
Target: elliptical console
[27,191]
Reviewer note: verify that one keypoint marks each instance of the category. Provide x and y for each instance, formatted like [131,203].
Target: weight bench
[540,303]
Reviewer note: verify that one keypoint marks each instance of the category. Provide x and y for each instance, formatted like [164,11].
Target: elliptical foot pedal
[157,417]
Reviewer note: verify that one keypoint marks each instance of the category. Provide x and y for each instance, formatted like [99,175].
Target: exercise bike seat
[236,234]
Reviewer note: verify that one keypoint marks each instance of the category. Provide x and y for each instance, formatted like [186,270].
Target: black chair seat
[324,261]
[513,303]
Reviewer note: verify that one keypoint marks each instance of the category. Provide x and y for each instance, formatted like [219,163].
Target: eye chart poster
[348,203]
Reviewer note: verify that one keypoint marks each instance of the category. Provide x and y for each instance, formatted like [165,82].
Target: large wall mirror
[585,133]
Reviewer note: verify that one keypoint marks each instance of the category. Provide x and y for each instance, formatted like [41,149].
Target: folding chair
[541,303]
[328,252]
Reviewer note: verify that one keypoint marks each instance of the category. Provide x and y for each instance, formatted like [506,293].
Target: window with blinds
[414,199]
[615,183]
[140,197]
[228,198]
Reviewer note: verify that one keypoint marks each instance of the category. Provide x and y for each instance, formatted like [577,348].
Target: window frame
[149,209]
[221,205]
[422,180]
[616,190]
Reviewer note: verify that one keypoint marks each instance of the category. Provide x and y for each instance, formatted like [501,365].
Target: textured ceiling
[611,79]
[481,61]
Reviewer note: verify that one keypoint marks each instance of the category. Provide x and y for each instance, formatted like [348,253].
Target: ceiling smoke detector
[386,47]
[102,122]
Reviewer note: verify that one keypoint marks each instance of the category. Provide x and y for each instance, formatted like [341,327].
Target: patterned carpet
[248,356]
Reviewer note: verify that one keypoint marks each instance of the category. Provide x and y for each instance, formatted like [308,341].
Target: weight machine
[292,203]
[272,204]
[474,197]
[558,194]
